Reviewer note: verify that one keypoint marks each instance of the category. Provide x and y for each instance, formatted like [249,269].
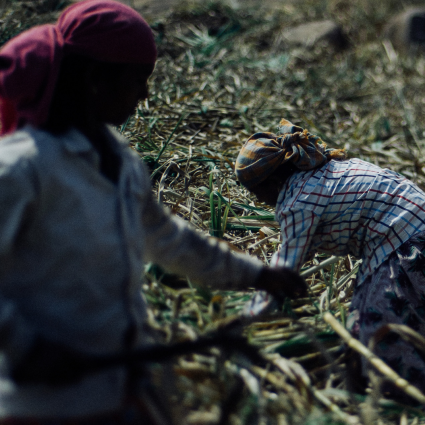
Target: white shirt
[72,248]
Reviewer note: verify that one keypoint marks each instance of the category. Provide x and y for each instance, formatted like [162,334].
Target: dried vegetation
[224,73]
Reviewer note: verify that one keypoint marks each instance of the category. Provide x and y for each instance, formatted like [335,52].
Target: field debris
[222,75]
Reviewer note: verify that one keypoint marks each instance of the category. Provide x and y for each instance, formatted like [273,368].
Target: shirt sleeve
[172,244]
[17,194]
[16,336]
[298,227]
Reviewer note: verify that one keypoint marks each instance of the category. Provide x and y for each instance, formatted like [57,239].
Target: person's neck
[91,129]
[110,162]
[95,134]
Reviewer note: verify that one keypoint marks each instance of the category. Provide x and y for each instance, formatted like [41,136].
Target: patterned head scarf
[104,30]
[263,153]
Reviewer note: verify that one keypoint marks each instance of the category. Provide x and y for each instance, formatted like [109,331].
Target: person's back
[348,207]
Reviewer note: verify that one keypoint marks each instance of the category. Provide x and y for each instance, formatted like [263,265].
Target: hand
[281,282]
[50,363]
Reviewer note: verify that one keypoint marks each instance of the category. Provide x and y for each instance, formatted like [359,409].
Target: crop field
[224,72]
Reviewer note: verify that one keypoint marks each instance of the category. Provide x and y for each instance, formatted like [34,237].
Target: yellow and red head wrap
[263,153]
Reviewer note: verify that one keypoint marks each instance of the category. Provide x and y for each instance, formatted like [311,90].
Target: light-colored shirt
[347,207]
[72,248]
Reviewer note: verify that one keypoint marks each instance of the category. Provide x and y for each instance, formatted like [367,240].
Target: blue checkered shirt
[347,207]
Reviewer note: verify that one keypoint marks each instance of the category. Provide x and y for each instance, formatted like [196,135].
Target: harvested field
[223,74]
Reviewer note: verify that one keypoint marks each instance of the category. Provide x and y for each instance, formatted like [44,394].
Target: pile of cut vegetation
[224,73]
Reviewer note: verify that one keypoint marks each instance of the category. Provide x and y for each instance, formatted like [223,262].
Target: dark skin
[112,100]
[268,190]
[90,94]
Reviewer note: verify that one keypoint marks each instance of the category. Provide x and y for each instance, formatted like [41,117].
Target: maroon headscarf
[104,30]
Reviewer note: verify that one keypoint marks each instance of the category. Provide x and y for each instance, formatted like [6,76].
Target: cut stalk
[374,360]
[320,266]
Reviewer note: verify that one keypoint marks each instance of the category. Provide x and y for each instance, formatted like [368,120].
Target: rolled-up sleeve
[172,244]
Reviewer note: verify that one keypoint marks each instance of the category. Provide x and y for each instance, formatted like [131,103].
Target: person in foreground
[78,220]
[327,203]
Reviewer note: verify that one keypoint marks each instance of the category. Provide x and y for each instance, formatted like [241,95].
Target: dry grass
[222,75]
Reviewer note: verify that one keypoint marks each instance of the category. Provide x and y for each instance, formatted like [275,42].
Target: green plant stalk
[164,146]
[150,127]
[210,180]
[343,313]
[212,210]
[218,221]
[213,216]
[218,215]
[218,211]
[250,208]
[225,216]
[259,217]
[242,227]
[231,210]
[215,209]
[123,127]
[330,284]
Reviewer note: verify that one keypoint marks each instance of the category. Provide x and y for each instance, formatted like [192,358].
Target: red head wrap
[104,30]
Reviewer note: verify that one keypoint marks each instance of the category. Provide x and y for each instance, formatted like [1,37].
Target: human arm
[180,249]
[298,226]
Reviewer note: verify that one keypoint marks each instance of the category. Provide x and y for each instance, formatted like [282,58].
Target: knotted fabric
[104,30]
[263,153]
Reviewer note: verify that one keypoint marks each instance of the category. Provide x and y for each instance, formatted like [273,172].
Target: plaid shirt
[347,207]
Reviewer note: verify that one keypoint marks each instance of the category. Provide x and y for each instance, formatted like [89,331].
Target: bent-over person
[330,204]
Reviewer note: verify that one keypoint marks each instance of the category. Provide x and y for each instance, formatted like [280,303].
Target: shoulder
[19,153]
[352,166]
[123,145]
[132,161]
[19,146]
[314,188]
[336,175]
